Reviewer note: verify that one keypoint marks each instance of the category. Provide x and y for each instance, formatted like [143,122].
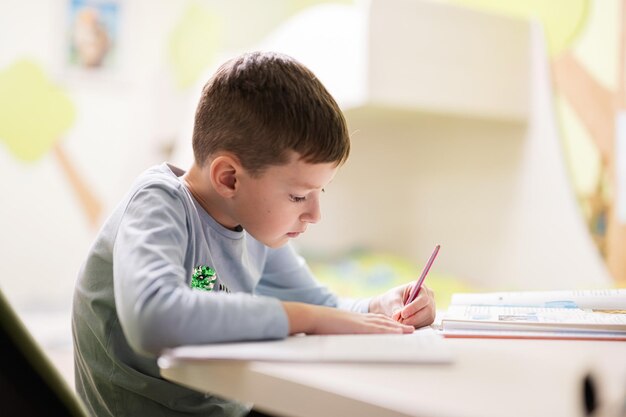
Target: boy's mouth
[294,234]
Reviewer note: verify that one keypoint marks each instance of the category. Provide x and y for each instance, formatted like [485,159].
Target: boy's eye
[296,199]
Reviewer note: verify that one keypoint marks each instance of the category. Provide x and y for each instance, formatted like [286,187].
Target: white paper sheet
[422,346]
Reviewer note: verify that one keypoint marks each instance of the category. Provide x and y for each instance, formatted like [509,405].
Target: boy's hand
[421,312]
[313,319]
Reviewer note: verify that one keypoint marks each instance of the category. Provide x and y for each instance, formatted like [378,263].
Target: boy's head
[261,107]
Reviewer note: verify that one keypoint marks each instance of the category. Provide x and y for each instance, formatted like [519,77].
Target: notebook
[422,346]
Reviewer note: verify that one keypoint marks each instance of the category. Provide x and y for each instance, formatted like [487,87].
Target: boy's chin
[276,243]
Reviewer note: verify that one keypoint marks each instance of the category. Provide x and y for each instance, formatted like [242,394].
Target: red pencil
[418,286]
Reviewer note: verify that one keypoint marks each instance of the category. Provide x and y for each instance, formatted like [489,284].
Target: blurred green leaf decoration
[194,44]
[34,112]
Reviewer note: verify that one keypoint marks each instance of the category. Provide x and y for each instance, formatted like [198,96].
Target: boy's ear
[225,170]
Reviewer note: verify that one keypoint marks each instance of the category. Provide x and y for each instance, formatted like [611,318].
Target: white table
[528,378]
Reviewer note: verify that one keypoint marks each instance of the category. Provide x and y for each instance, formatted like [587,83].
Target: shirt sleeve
[155,306]
[287,276]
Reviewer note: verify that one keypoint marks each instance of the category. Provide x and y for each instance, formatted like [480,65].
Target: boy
[202,256]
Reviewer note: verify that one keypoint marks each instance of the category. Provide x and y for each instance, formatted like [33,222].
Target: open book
[577,314]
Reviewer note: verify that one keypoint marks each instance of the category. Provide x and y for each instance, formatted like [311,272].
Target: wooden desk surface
[488,378]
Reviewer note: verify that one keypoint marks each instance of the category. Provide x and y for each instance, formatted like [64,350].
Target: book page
[530,318]
[601,299]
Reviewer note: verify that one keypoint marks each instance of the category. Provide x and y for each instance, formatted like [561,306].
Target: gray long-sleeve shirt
[133,298]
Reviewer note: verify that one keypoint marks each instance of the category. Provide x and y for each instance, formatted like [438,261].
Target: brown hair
[261,105]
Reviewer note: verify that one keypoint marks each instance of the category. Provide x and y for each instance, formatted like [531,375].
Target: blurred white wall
[116,134]
[455,141]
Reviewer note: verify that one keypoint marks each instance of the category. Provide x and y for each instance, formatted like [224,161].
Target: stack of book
[576,314]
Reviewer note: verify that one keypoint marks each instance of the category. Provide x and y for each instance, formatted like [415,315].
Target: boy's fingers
[395,322]
[404,327]
[408,329]
[383,324]
[422,301]
[423,317]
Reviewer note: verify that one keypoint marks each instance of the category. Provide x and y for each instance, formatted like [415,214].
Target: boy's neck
[199,185]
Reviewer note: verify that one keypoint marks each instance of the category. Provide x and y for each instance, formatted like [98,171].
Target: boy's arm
[312,319]
[155,305]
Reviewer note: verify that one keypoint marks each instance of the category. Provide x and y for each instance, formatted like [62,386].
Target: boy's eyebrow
[308,186]
[311,186]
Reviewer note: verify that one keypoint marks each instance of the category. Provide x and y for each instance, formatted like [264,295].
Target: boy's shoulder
[155,183]
[165,175]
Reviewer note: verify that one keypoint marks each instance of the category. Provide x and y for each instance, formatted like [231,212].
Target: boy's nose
[313,214]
